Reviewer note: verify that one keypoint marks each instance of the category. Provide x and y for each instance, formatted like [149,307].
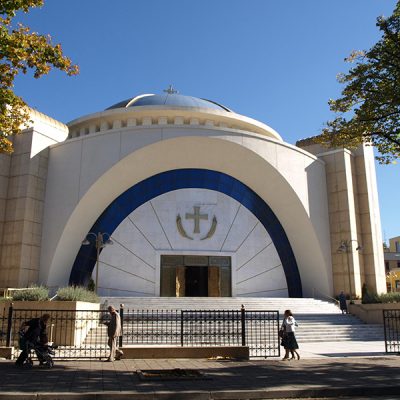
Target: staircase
[319,321]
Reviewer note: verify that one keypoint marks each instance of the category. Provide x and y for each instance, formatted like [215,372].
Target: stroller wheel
[29,363]
[50,364]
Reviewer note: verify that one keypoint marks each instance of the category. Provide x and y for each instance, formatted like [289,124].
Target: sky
[272,60]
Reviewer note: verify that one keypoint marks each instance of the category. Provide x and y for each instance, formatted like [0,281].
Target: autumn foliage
[22,50]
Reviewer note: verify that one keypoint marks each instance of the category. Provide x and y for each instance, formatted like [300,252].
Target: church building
[172,195]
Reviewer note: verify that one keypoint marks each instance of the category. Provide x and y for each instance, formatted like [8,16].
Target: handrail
[7,291]
[324,296]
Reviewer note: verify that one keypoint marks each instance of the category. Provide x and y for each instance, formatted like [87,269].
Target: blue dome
[168,99]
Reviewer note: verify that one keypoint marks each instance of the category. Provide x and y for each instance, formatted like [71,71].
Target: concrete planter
[372,313]
[70,321]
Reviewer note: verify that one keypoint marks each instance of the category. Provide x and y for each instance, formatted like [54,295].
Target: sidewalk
[322,372]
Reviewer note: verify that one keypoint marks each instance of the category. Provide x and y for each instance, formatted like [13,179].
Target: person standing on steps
[113,332]
[343,302]
[289,341]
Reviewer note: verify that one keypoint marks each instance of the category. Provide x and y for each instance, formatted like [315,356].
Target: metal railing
[317,294]
[83,334]
[212,328]
[204,328]
[3,325]
[71,330]
[151,327]
[391,323]
[262,329]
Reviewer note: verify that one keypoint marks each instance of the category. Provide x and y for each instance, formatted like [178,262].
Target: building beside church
[392,264]
[172,195]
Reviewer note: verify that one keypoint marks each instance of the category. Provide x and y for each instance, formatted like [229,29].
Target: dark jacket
[342,301]
[36,331]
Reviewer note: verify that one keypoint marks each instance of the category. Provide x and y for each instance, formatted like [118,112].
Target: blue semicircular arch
[164,182]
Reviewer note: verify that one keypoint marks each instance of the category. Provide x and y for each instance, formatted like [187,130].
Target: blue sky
[273,60]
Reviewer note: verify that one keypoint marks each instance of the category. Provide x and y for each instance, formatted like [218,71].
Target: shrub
[34,293]
[389,297]
[77,293]
[91,285]
[368,297]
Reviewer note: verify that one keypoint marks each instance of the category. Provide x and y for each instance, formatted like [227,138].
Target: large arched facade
[283,194]
[169,181]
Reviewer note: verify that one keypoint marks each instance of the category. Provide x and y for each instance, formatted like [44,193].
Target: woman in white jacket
[289,341]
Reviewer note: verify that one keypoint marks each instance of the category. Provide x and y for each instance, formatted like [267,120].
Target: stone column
[26,171]
[5,161]
[353,217]
[369,219]
[20,255]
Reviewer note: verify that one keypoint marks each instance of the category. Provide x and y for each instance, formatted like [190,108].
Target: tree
[20,51]
[369,109]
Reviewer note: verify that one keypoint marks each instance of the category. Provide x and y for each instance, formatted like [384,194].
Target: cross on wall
[196,216]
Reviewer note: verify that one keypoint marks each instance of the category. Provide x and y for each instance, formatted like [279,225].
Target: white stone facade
[110,152]
[131,266]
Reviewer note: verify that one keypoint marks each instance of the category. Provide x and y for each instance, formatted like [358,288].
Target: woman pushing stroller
[33,336]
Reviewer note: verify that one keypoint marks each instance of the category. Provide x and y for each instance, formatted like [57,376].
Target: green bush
[91,285]
[77,293]
[34,293]
[389,298]
[368,297]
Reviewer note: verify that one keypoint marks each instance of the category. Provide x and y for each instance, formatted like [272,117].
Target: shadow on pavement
[370,376]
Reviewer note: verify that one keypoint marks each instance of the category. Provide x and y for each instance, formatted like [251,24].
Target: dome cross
[170,90]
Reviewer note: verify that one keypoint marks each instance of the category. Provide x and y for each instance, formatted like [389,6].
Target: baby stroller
[44,352]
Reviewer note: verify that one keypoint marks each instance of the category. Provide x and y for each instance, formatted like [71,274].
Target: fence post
[384,329]
[182,328]
[121,314]
[243,320]
[51,332]
[9,325]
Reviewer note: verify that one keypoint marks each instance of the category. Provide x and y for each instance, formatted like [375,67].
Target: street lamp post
[346,247]
[102,239]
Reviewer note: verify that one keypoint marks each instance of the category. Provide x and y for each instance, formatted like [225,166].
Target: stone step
[318,320]
[303,305]
[215,301]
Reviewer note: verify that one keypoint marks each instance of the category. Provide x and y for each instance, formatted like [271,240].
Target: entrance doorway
[195,276]
[196,282]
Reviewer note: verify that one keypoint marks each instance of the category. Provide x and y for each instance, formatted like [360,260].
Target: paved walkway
[325,370]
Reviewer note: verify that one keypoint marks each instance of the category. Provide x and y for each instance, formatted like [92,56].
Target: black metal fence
[77,333]
[3,324]
[83,334]
[151,327]
[391,322]
[261,329]
[212,328]
[204,328]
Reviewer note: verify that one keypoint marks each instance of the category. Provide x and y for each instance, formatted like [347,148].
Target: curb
[323,392]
